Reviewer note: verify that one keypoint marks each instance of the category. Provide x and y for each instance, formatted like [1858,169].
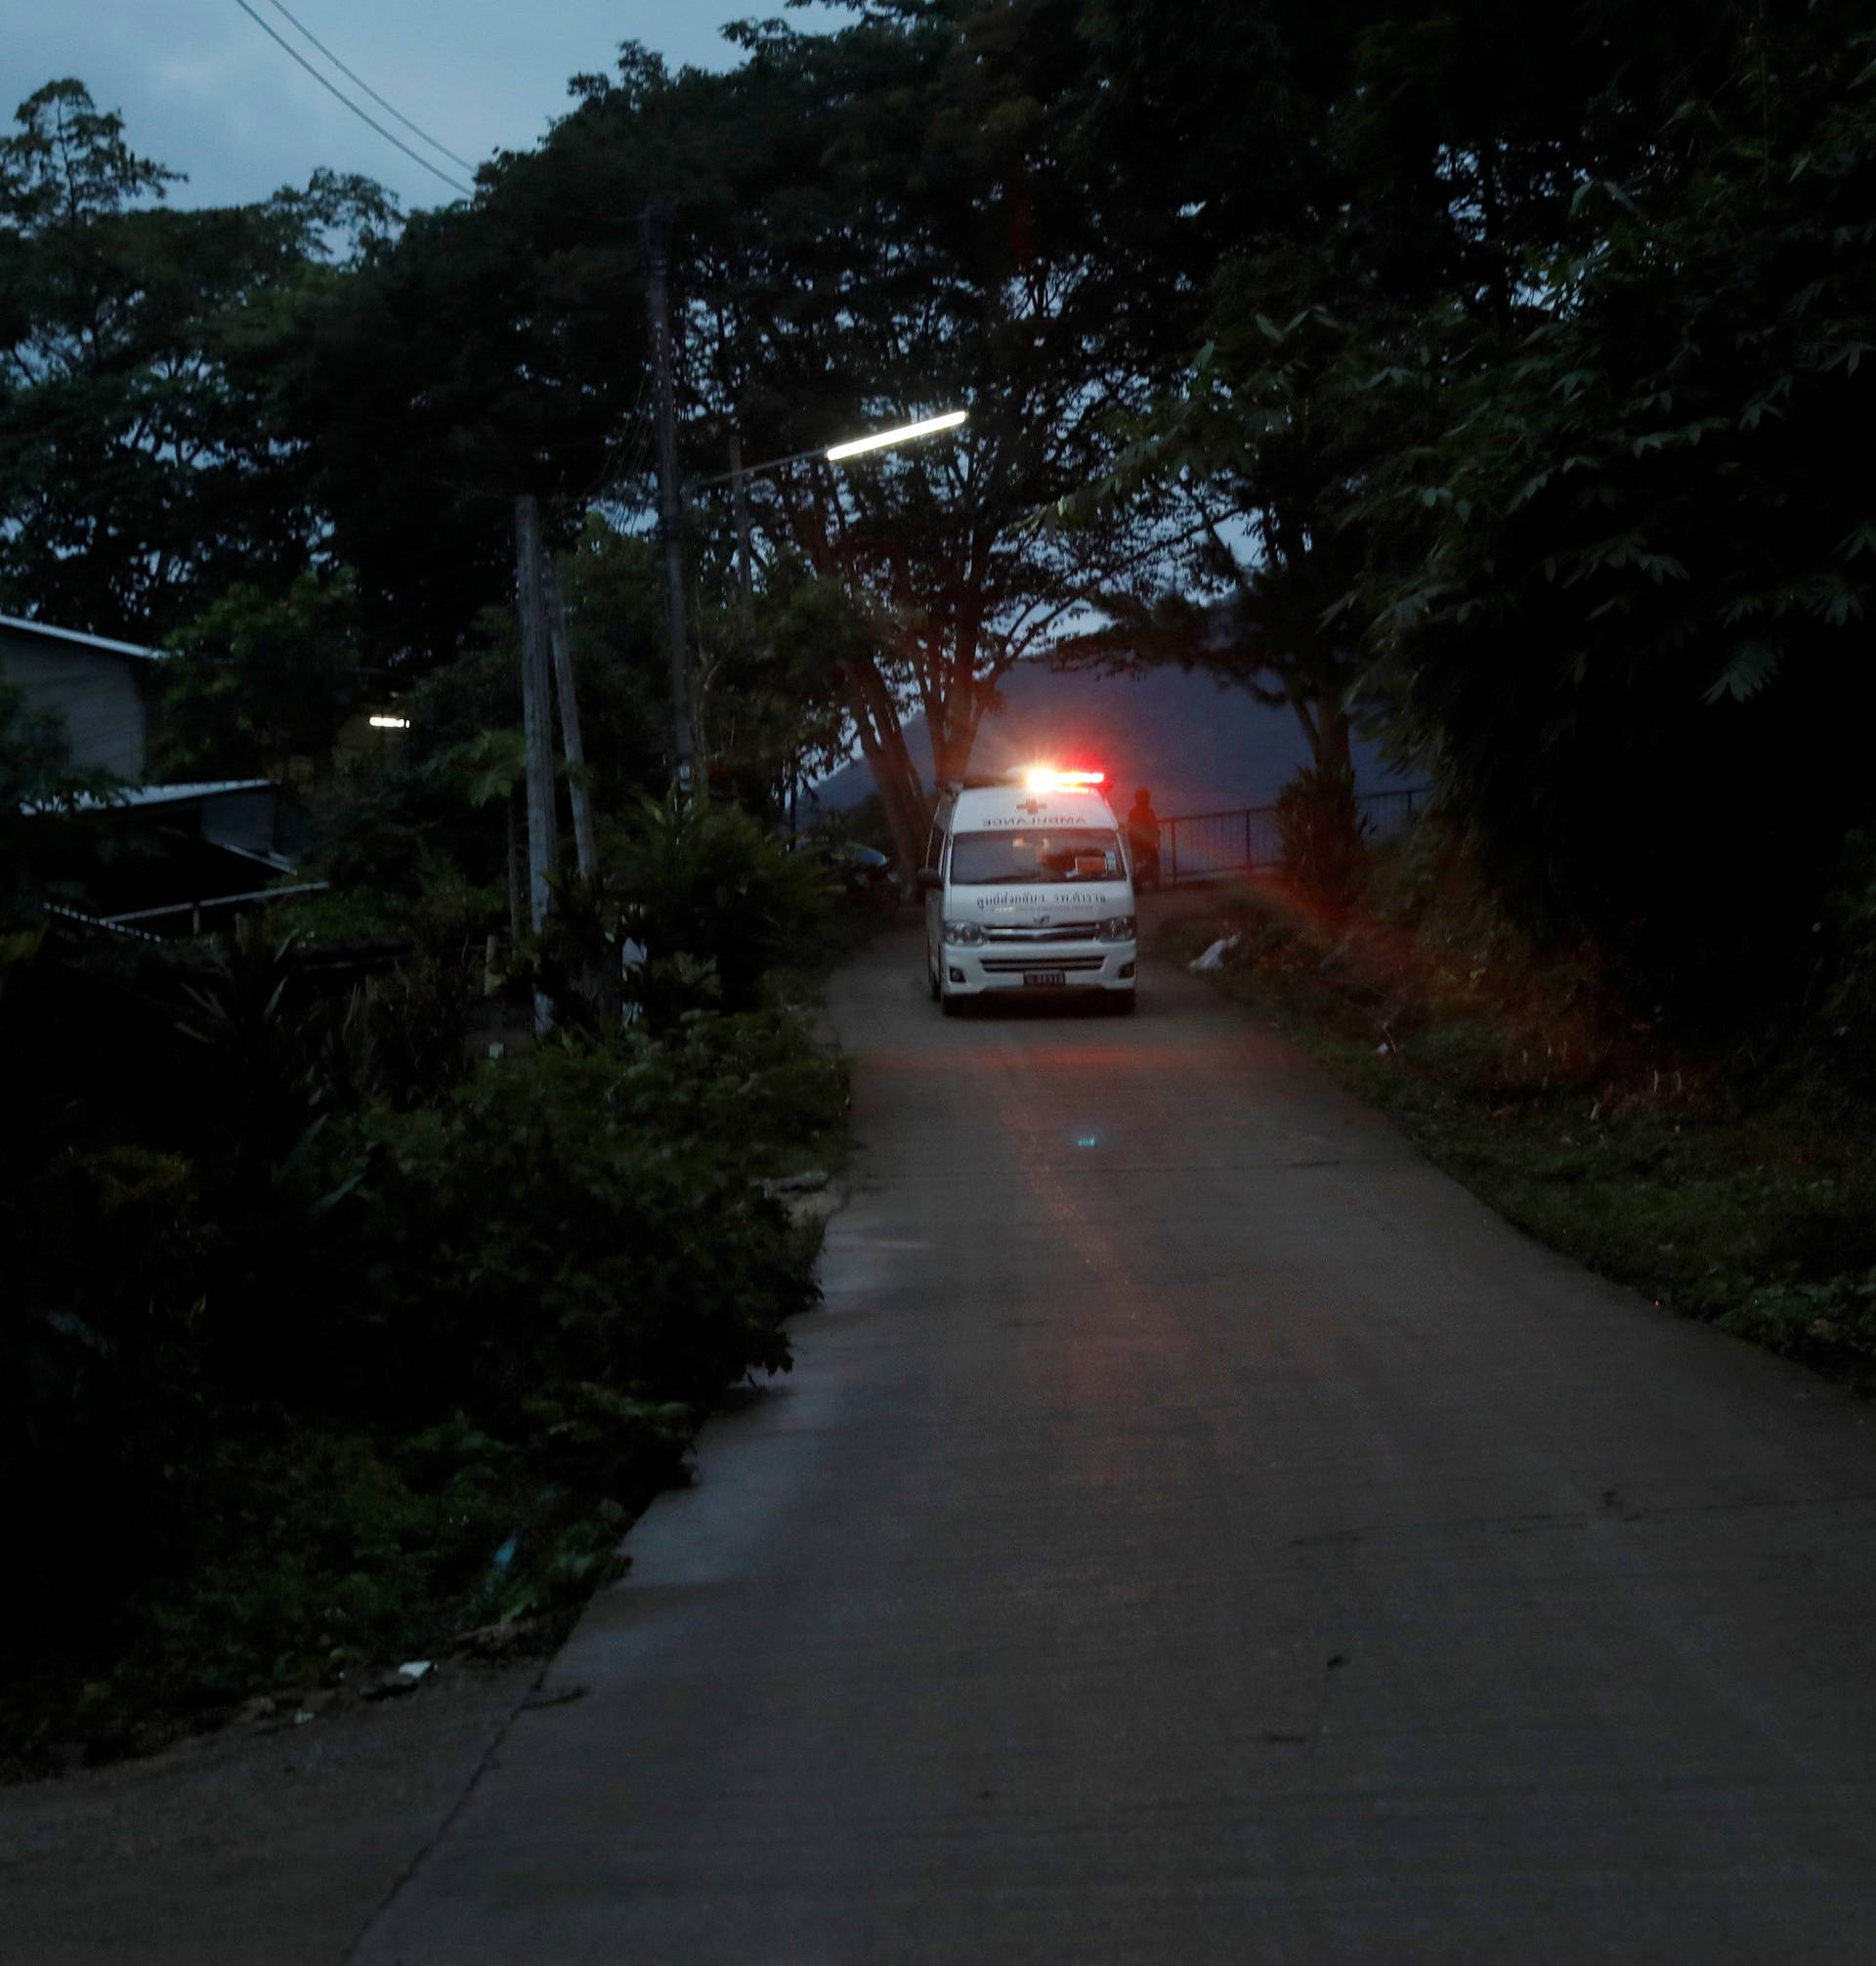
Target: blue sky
[204,90]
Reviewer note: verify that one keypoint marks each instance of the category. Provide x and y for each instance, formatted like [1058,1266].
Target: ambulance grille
[1012,966]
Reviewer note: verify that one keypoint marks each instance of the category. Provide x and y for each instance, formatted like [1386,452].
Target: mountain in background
[1198,745]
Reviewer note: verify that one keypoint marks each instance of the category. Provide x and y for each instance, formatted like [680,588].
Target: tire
[931,984]
[950,1007]
[1124,1003]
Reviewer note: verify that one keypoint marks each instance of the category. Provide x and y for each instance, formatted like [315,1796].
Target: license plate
[1044,979]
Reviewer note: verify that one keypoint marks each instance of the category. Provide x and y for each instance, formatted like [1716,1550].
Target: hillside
[1199,746]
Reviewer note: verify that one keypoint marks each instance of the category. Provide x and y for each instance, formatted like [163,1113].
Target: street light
[834,454]
[878,441]
[739,474]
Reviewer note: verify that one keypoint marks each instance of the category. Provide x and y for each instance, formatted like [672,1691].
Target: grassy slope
[1731,1182]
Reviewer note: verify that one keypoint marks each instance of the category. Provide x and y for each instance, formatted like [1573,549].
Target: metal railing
[195,909]
[1203,845]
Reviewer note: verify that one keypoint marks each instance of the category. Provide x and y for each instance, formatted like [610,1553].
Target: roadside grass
[320,1557]
[1731,1180]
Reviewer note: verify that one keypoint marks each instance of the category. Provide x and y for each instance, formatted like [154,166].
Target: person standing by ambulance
[1143,836]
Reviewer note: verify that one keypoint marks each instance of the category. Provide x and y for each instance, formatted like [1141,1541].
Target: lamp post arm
[750,470]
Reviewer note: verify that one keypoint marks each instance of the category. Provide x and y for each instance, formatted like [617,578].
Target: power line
[390,108]
[454,184]
[635,431]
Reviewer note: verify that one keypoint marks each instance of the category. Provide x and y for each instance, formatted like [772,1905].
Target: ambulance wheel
[951,1007]
[1123,1002]
[931,983]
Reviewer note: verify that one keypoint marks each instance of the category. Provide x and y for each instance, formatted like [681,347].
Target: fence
[1203,845]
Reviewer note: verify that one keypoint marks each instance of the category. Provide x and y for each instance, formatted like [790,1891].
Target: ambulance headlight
[1117,929]
[963,934]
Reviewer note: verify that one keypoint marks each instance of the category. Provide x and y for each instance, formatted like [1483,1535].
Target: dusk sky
[203,90]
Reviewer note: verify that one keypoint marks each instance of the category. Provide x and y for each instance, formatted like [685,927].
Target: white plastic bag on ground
[1213,958]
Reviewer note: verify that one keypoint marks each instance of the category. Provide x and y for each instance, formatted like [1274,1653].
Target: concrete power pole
[651,238]
[537,709]
[745,593]
[569,724]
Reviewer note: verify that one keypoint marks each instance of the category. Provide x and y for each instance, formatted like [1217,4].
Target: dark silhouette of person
[1143,836]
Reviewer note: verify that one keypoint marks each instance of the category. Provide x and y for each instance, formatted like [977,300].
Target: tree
[876,222]
[136,476]
[1271,445]
[254,681]
[1629,590]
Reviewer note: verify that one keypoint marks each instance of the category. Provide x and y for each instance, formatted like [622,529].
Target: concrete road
[1197,1531]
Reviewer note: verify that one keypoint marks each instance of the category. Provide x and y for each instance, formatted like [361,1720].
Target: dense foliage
[317,1300]
[1529,413]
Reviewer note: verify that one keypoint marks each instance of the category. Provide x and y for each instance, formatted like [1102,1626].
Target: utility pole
[745,599]
[569,724]
[651,238]
[537,709]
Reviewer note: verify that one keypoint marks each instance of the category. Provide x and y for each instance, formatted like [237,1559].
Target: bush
[543,1226]
[1849,997]
[706,882]
[1322,832]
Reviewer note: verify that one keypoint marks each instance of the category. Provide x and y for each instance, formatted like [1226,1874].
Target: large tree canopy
[870,226]
[1524,409]
[139,472]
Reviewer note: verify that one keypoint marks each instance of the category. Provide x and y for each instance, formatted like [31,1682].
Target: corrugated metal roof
[24,628]
[175,794]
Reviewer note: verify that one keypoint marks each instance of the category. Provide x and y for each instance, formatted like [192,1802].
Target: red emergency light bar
[1045,778]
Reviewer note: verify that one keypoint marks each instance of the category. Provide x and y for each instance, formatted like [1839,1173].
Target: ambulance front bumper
[975,970]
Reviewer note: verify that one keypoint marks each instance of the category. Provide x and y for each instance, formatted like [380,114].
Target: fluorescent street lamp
[739,475]
[880,439]
[877,442]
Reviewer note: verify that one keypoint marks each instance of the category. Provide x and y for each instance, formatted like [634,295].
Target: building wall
[94,691]
[243,819]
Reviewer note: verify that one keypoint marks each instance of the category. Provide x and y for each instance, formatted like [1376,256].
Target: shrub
[1848,1000]
[538,1228]
[707,882]
[1322,832]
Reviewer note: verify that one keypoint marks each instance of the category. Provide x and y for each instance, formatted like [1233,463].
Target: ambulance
[1029,890]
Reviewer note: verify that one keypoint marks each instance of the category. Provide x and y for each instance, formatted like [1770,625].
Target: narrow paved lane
[1195,1530]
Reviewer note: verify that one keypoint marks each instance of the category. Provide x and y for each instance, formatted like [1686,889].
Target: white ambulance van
[1028,889]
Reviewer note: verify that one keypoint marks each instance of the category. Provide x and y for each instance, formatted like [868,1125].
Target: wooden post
[537,710]
[569,724]
[652,237]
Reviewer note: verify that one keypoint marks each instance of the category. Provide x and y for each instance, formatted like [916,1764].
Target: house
[97,687]
[202,846]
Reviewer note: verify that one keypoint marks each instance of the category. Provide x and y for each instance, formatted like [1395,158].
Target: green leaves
[141,468]
[1748,668]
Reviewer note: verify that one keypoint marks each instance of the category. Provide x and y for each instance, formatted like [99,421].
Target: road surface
[1198,1530]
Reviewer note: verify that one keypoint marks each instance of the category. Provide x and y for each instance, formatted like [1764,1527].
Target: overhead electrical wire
[390,108]
[455,185]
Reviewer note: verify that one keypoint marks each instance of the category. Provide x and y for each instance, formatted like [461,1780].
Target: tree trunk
[1325,723]
[882,741]
[1332,738]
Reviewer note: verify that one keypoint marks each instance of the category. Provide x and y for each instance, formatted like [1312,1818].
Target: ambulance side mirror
[930,881]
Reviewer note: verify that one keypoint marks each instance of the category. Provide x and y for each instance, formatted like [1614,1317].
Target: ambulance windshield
[1036,853]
